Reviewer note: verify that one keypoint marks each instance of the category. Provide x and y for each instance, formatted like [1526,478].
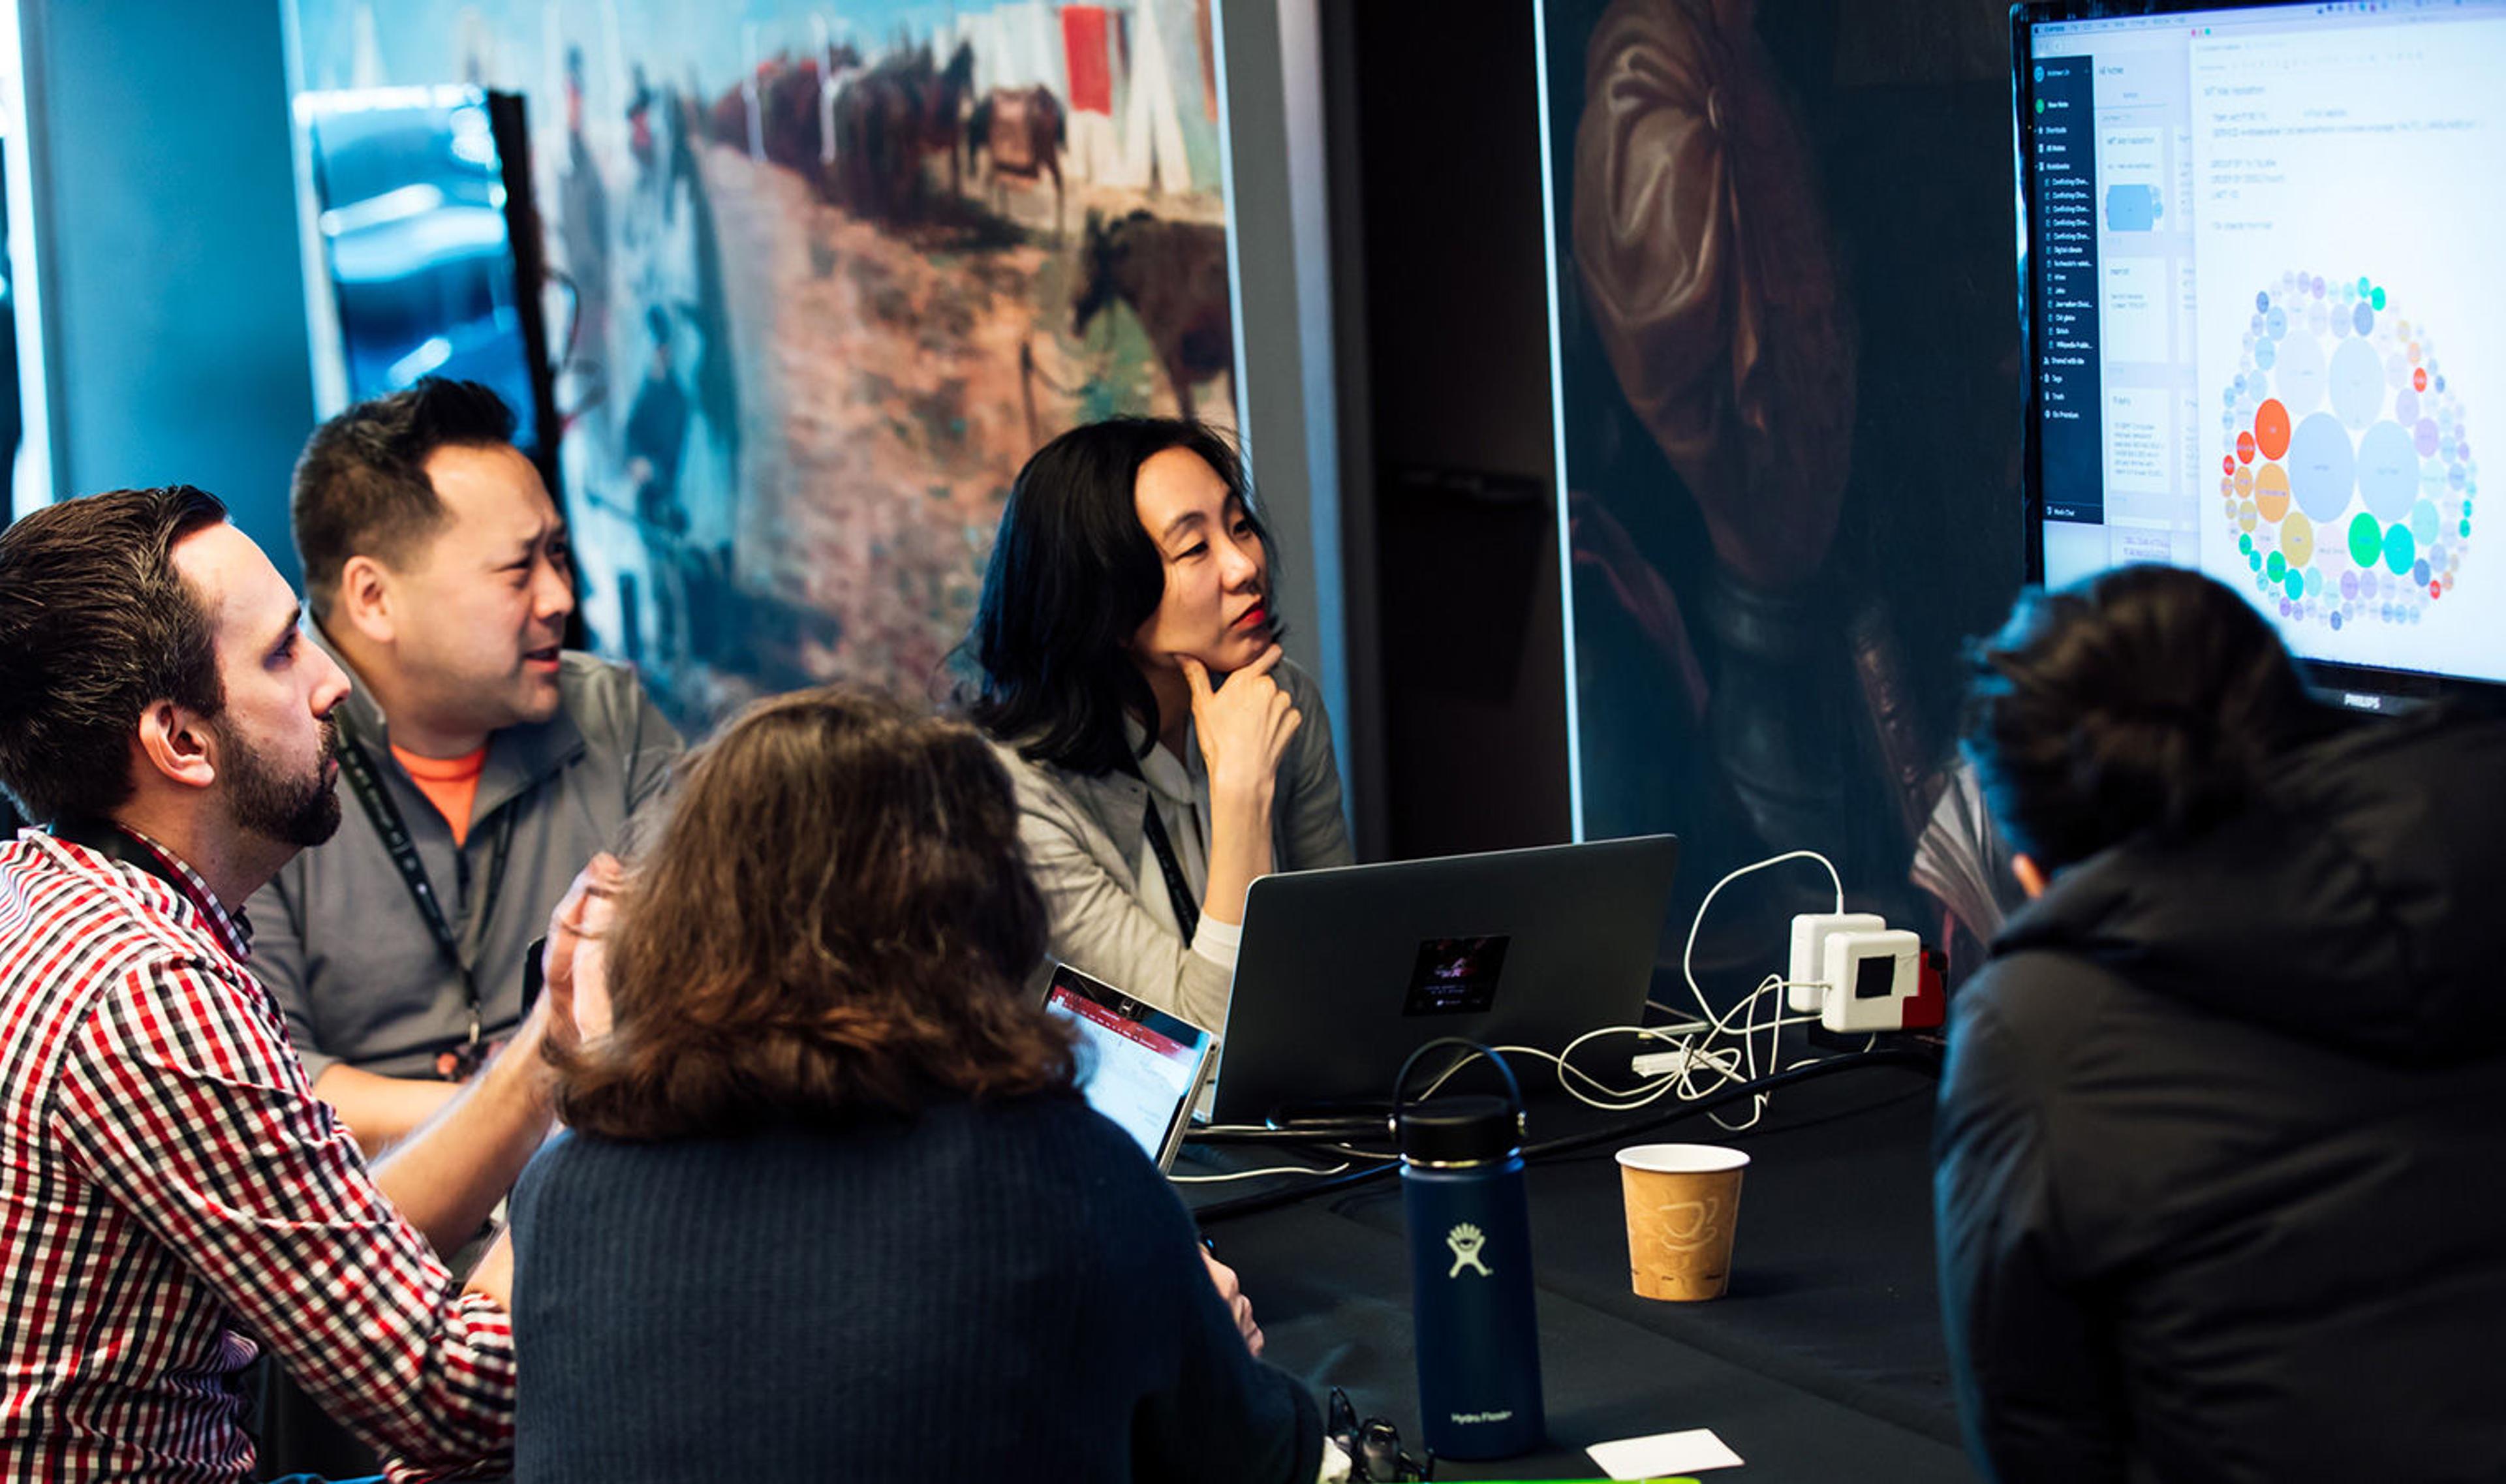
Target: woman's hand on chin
[1244,725]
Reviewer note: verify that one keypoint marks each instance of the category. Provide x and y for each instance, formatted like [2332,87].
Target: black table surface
[1823,1362]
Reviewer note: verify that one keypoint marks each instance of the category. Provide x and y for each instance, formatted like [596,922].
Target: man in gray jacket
[484,765]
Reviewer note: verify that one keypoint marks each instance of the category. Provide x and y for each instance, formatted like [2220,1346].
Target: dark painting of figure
[1789,352]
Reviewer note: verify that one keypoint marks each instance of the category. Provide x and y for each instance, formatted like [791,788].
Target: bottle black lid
[1461,1129]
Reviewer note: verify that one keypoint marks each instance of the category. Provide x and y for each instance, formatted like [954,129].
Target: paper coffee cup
[1682,1201]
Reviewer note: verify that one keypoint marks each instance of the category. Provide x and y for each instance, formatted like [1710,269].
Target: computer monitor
[2267,336]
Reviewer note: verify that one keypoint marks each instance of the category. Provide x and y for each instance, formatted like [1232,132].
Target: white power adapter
[1807,969]
[1867,979]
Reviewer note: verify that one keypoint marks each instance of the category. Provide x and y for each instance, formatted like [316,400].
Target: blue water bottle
[1470,1266]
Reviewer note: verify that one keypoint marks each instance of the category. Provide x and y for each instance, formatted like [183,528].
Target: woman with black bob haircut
[1164,754]
[829,1205]
[2220,1111]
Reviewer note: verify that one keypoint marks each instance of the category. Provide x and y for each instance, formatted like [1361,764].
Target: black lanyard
[1186,912]
[368,789]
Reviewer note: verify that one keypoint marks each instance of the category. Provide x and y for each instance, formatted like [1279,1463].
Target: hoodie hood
[2351,905]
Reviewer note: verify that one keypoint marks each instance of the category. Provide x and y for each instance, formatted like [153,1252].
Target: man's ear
[364,600]
[2032,879]
[175,742]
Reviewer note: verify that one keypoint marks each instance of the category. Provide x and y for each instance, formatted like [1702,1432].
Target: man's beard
[301,812]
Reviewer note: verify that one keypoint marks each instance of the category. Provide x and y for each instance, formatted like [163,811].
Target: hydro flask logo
[1466,1240]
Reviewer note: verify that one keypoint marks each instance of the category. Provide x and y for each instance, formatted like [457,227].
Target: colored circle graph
[2346,457]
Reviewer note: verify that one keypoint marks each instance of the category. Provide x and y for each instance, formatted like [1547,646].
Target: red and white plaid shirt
[171,1192]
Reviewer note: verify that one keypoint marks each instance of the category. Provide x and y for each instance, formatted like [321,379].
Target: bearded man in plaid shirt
[173,1198]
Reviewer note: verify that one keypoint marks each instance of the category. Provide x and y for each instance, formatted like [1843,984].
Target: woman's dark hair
[95,626]
[1072,578]
[836,918]
[2147,698]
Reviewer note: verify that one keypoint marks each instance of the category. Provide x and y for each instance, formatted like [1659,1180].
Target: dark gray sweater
[1006,1290]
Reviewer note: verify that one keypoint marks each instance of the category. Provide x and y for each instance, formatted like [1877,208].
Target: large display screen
[2266,317]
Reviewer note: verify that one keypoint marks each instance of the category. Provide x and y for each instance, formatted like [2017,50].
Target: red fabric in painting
[1083,41]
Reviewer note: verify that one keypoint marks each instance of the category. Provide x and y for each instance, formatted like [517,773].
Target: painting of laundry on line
[826,274]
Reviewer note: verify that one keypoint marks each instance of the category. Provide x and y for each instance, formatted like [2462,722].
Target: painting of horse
[1173,275]
[785,112]
[1021,133]
[888,122]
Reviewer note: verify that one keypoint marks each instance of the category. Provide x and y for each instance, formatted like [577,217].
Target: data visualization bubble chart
[2344,453]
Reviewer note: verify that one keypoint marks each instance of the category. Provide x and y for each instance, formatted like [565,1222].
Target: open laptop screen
[1138,1065]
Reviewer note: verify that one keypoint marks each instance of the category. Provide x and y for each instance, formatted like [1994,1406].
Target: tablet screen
[1138,1065]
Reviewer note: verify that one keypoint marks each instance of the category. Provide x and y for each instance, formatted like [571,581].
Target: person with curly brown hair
[830,1206]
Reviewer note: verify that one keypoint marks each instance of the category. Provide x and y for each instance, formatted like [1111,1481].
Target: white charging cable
[1701,1067]
[1721,1025]
[1252,1174]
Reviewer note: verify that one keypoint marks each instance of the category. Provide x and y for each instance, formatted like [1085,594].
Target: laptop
[1344,972]
[1138,1066]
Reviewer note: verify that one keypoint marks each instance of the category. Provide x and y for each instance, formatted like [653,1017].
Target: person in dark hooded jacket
[2221,1116]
